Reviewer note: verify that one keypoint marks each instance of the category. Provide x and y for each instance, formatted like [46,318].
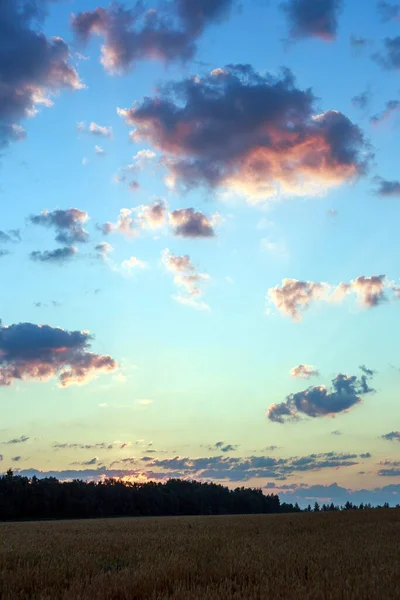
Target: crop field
[347,555]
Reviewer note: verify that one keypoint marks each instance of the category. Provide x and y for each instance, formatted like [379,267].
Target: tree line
[24,498]
[48,498]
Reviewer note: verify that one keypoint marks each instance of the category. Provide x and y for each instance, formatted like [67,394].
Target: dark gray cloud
[196,14]
[67,223]
[223,447]
[135,34]
[4,253]
[29,351]
[19,440]
[32,66]
[311,18]
[218,468]
[387,188]
[58,256]
[389,58]
[391,468]
[10,236]
[318,401]
[98,446]
[392,106]
[186,222]
[87,463]
[393,436]
[362,100]
[388,11]
[249,133]
[242,469]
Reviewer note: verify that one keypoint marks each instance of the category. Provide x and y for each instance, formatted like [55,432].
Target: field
[348,555]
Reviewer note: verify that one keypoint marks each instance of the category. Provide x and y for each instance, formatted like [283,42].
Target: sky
[199,243]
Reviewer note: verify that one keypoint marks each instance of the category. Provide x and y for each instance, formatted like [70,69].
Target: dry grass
[351,555]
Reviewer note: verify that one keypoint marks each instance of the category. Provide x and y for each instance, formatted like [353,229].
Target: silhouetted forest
[32,498]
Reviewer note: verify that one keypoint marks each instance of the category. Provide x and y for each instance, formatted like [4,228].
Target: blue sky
[189,353]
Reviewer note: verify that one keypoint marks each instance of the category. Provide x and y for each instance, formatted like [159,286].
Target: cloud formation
[387,188]
[19,440]
[10,236]
[58,256]
[33,67]
[318,401]
[304,371]
[186,222]
[387,11]
[392,436]
[311,18]
[362,100]
[257,135]
[293,297]
[186,277]
[95,129]
[67,223]
[223,447]
[391,108]
[133,34]
[389,58]
[29,351]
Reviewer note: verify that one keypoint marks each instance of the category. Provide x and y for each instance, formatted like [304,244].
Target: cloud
[95,129]
[99,150]
[318,401]
[67,223]
[87,463]
[245,468]
[293,297]
[186,277]
[66,446]
[223,447]
[11,236]
[308,18]
[132,35]
[141,159]
[391,107]
[29,351]
[362,100]
[152,216]
[304,371]
[132,263]
[33,67]
[126,224]
[390,57]
[387,188]
[19,440]
[196,14]
[58,256]
[392,436]
[388,11]
[392,468]
[257,135]
[103,249]
[186,222]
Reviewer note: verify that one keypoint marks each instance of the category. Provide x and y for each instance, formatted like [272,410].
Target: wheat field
[347,555]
